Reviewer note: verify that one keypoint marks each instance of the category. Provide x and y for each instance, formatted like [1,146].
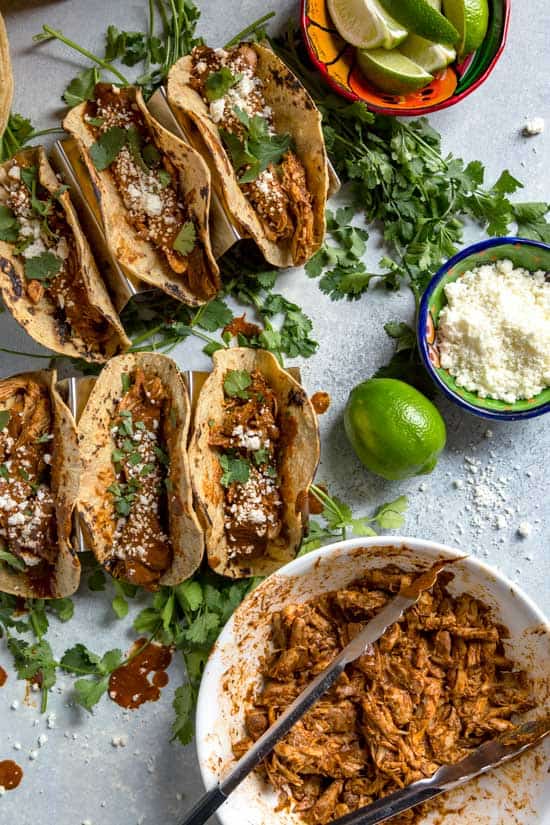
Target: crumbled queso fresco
[494,333]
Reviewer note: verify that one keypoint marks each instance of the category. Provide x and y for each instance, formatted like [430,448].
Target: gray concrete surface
[488,476]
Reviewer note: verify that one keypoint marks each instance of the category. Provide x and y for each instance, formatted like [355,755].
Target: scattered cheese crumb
[14,705]
[17,746]
[525,529]
[42,739]
[533,127]
[33,755]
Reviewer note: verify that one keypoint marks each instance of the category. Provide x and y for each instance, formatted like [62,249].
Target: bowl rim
[300,565]
[410,111]
[424,308]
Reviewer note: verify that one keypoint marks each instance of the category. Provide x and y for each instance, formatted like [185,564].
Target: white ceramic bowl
[517,794]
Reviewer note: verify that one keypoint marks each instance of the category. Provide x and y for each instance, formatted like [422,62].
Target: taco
[135,501]
[6,77]
[253,455]
[261,134]
[153,191]
[48,277]
[39,477]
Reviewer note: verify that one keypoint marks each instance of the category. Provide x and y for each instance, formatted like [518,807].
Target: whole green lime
[395,430]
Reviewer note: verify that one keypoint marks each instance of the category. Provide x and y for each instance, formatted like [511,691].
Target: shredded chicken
[434,687]
[279,195]
[28,527]
[250,431]
[142,551]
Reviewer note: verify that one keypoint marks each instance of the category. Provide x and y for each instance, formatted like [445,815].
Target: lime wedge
[420,17]
[392,72]
[471,19]
[365,23]
[432,57]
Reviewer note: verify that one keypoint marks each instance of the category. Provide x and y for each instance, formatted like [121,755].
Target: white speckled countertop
[487,482]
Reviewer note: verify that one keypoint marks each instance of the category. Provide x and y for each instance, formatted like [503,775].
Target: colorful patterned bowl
[335,59]
[531,255]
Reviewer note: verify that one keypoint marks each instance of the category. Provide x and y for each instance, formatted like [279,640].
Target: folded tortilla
[294,113]
[6,77]
[297,457]
[136,255]
[82,322]
[50,572]
[103,525]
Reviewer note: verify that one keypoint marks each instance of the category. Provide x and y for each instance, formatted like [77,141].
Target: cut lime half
[392,72]
[432,57]
[471,19]
[420,17]
[365,24]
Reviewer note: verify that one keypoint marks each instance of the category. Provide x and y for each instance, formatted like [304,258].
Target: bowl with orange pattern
[336,61]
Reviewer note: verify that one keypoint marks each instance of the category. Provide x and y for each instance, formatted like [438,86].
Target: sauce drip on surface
[321,402]
[130,685]
[3,677]
[10,775]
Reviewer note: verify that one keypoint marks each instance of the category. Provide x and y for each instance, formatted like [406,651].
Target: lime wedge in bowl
[365,24]
[391,71]
[432,57]
[422,18]
[471,19]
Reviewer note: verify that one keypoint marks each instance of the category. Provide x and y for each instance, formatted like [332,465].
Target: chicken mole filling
[142,550]
[148,184]
[249,442]
[42,234]
[435,686]
[28,529]
[279,195]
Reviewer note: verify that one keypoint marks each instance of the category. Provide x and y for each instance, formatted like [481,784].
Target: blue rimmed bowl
[525,253]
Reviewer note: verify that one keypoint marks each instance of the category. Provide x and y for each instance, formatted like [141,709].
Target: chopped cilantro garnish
[117,456]
[151,155]
[43,267]
[43,439]
[165,178]
[134,459]
[218,83]
[126,382]
[258,149]
[234,470]
[5,416]
[162,456]
[12,561]
[9,225]
[107,146]
[147,469]
[186,238]
[24,474]
[4,473]
[236,382]
[260,456]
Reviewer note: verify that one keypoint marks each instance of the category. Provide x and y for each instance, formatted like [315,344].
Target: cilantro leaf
[183,727]
[63,608]
[215,314]
[9,225]
[12,561]
[79,659]
[390,516]
[186,238]
[17,133]
[42,267]
[218,83]
[190,596]
[96,580]
[33,660]
[81,87]
[531,220]
[88,692]
[107,146]
[5,416]
[200,630]
[236,382]
[234,470]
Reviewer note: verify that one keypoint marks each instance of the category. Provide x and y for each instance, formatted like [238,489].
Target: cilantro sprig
[236,383]
[338,521]
[252,153]
[218,83]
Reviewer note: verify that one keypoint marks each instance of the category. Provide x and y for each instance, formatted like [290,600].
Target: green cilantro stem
[329,502]
[55,130]
[249,30]
[53,34]
[26,354]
